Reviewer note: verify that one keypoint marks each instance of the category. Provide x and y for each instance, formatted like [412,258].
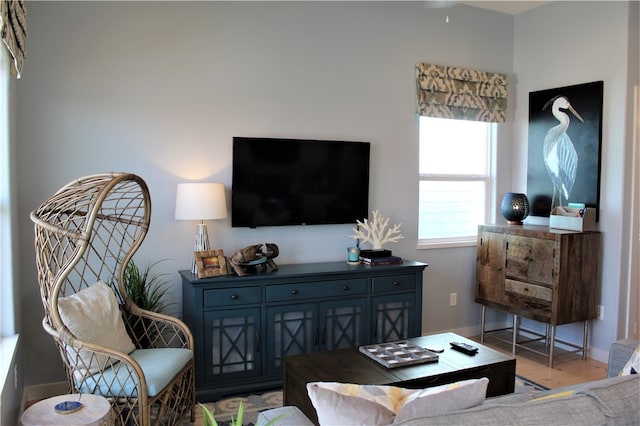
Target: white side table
[95,411]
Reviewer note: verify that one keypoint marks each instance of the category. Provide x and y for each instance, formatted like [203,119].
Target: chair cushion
[351,404]
[93,315]
[159,366]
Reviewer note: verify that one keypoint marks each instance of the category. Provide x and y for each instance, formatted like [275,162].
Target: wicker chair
[84,234]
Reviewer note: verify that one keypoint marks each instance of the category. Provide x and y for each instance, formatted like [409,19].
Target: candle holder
[353,255]
[515,207]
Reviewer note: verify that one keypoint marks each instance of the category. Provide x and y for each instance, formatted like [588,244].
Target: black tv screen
[279,182]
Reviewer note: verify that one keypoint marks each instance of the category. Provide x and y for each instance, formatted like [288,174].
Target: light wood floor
[567,370]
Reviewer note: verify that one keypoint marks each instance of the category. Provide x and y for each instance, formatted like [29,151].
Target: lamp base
[202,243]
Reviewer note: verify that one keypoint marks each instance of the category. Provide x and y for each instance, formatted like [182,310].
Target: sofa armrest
[619,354]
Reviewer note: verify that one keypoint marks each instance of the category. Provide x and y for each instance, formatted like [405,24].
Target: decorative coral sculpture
[376,232]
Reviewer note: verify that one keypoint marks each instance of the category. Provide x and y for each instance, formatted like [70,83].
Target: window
[455,180]
[8,341]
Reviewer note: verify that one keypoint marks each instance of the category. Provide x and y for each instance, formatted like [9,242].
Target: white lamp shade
[200,201]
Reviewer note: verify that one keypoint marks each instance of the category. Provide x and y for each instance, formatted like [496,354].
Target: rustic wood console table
[544,274]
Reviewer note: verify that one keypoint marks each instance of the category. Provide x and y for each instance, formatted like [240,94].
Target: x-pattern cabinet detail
[244,326]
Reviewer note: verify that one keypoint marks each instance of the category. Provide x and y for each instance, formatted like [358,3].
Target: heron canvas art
[565,133]
[559,154]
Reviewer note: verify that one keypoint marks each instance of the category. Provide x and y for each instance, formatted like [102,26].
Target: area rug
[225,409]
[524,385]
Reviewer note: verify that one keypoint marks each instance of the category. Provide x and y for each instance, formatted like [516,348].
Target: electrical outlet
[453,299]
[600,312]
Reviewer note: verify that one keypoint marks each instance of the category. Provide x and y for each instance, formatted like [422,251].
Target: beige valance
[461,93]
[13,31]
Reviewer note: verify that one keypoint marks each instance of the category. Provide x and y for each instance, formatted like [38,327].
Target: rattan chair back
[87,232]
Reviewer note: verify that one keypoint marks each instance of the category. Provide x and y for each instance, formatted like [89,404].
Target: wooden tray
[398,354]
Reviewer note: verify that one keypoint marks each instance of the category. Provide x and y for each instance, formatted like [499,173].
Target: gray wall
[580,44]
[160,88]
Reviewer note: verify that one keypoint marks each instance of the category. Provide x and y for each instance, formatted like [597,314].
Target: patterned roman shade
[460,93]
[13,31]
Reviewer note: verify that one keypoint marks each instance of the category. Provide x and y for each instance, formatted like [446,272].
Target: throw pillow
[352,404]
[93,315]
[633,365]
[443,399]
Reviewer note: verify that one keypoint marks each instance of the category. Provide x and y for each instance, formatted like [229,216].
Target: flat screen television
[277,182]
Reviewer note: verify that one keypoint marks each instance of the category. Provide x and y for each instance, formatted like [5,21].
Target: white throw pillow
[93,315]
[443,399]
[352,404]
[633,365]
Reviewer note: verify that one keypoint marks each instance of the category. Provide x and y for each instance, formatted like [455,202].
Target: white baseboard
[10,379]
[598,355]
[43,391]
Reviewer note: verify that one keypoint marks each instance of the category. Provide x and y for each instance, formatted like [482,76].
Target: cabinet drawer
[529,290]
[288,292]
[394,283]
[231,296]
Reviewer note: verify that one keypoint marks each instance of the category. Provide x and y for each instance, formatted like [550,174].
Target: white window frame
[5,242]
[489,181]
[8,340]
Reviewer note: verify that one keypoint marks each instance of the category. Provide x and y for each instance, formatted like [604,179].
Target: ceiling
[510,7]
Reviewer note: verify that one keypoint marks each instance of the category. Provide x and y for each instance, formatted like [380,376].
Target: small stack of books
[379,257]
[389,260]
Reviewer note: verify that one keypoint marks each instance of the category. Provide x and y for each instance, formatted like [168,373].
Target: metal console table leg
[552,344]
[482,323]
[585,339]
[547,338]
[514,338]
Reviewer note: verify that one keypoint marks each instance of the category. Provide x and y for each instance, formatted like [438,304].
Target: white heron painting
[565,132]
[559,154]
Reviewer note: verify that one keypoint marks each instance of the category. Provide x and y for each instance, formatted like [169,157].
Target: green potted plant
[209,420]
[145,288]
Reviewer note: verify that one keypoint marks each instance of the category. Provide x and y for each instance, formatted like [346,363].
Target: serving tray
[398,354]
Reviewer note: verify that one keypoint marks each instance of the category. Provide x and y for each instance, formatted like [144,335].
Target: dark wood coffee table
[350,366]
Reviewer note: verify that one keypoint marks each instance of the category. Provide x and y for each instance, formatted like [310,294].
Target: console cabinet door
[393,317]
[291,330]
[343,323]
[490,268]
[232,344]
[531,259]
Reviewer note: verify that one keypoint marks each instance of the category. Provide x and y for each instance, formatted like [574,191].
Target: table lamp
[200,201]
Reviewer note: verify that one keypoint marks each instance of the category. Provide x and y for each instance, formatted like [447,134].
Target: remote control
[465,348]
